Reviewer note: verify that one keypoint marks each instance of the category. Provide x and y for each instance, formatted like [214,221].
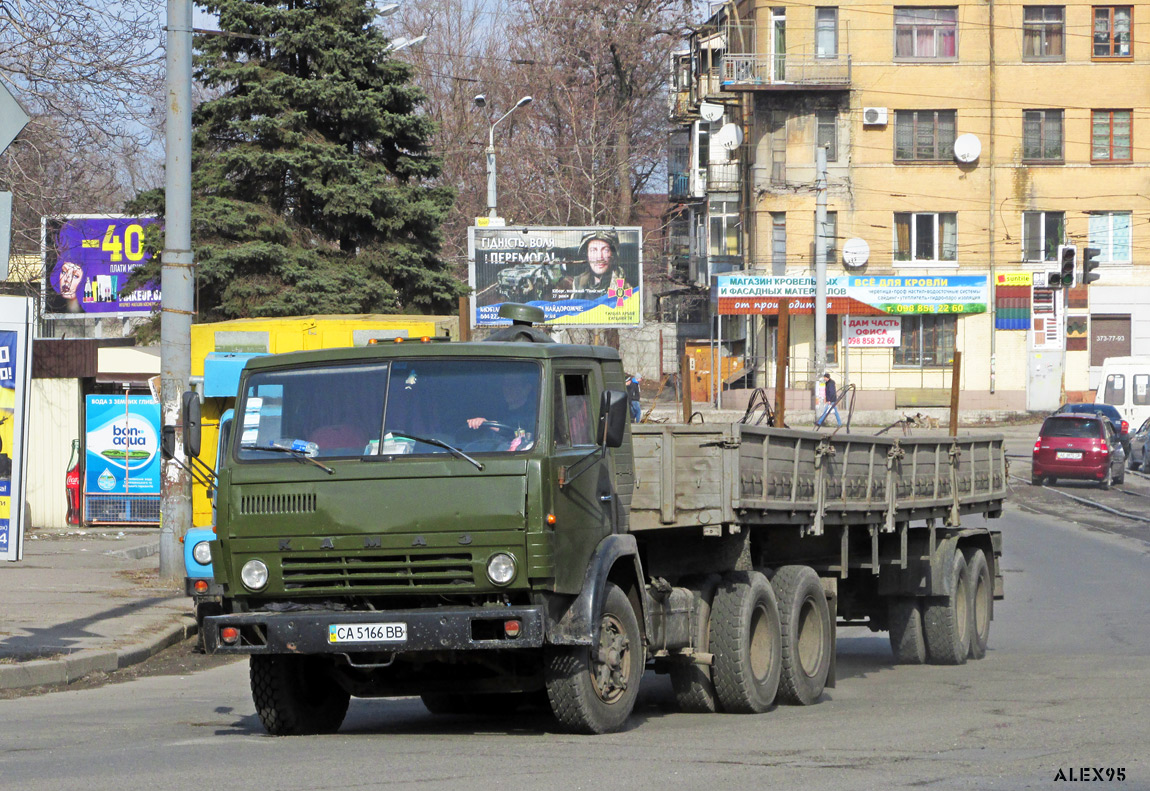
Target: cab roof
[390,350]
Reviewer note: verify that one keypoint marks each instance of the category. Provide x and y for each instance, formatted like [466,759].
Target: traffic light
[1089,264]
[1067,258]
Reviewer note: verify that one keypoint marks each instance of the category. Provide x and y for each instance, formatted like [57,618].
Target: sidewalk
[85,600]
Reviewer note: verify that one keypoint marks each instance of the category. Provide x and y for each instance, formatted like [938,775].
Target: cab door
[583,507]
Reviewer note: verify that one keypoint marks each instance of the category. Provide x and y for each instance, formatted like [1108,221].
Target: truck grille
[390,571]
[274,504]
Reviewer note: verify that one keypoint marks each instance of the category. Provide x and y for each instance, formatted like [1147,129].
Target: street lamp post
[481,101]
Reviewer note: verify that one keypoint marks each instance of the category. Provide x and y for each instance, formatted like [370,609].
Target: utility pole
[820,266]
[176,285]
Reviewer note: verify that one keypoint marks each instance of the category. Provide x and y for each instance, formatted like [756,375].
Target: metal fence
[122,509]
[785,70]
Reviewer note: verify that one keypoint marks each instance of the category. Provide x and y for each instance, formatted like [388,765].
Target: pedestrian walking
[633,396]
[831,395]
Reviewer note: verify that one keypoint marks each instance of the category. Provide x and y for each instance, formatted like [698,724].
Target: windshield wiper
[439,444]
[299,454]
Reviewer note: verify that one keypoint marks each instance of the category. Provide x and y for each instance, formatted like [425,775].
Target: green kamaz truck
[480,525]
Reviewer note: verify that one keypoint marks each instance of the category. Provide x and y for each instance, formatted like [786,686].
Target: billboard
[87,262]
[15,372]
[589,277]
[875,295]
[123,445]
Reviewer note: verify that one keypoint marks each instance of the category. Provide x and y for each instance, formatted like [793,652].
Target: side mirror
[612,418]
[190,415]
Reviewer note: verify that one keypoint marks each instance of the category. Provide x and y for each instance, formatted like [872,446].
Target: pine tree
[314,189]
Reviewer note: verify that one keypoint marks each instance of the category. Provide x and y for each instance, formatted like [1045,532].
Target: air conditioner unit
[874,116]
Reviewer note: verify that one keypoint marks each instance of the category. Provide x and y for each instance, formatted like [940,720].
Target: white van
[1125,384]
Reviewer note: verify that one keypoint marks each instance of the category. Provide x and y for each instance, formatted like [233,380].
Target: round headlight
[254,575]
[202,553]
[501,568]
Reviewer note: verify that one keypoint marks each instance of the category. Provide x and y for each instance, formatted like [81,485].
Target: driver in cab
[513,416]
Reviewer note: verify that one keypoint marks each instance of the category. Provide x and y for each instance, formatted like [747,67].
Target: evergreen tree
[313,183]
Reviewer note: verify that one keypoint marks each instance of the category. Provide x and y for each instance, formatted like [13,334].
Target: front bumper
[433,629]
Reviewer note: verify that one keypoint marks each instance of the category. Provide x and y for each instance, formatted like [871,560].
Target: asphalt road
[1066,685]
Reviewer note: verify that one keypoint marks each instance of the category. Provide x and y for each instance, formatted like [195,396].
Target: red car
[1083,447]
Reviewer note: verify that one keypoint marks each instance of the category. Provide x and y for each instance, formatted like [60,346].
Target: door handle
[606,498]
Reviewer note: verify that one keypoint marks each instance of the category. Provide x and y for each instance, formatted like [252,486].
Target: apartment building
[965,143]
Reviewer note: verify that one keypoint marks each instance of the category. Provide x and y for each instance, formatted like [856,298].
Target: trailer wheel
[296,695]
[595,694]
[904,615]
[805,628]
[746,642]
[692,683]
[982,602]
[947,618]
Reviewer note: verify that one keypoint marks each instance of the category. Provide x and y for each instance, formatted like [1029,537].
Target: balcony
[785,72]
[722,177]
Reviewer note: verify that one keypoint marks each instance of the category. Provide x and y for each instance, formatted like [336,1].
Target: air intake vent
[275,504]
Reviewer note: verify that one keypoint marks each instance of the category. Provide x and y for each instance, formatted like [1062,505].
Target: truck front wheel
[296,695]
[595,694]
[746,641]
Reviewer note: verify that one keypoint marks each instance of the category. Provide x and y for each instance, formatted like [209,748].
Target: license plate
[1066,454]
[338,633]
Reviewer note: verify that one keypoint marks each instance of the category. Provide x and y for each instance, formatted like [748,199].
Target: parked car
[1118,423]
[1139,456]
[1077,446]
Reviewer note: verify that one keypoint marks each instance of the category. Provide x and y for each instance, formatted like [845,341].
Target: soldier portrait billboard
[590,277]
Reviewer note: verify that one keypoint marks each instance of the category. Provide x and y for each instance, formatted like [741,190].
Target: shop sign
[856,296]
[586,276]
[123,445]
[873,331]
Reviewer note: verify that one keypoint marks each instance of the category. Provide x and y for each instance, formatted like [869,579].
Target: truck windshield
[389,408]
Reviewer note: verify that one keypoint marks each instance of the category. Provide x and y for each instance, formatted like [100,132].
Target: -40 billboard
[590,277]
[87,262]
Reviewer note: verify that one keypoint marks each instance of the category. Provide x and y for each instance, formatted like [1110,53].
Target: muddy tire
[904,616]
[595,694]
[296,695]
[1107,480]
[981,602]
[692,683]
[946,619]
[807,636]
[746,640]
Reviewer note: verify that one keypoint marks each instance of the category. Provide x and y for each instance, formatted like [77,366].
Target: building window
[927,342]
[1112,26]
[826,32]
[1042,135]
[926,33]
[827,121]
[926,237]
[829,232]
[725,237]
[833,340]
[1110,233]
[1043,32]
[1110,135]
[923,135]
[778,243]
[1042,232]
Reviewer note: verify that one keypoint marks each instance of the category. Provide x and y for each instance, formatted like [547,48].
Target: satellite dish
[711,112]
[856,252]
[730,137]
[967,148]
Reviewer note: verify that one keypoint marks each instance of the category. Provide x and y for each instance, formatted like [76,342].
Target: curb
[72,668]
[136,553]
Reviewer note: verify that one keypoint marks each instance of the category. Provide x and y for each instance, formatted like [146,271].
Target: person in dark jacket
[831,398]
[633,396]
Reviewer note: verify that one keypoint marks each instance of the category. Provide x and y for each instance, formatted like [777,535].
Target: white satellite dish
[967,148]
[729,136]
[710,112]
[856,252]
